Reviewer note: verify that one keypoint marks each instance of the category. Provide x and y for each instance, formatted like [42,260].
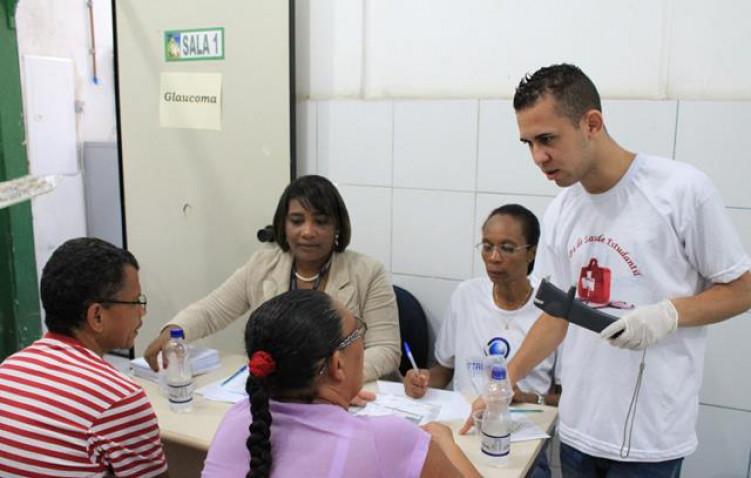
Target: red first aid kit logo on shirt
[594,283]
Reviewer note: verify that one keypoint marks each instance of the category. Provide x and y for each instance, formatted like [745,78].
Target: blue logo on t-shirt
[498,346]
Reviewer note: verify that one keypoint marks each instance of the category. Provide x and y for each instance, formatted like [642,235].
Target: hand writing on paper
[416,383]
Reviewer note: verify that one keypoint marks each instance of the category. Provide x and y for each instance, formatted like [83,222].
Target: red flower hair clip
[261,364]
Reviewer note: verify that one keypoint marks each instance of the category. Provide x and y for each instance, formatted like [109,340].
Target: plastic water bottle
[496,434]
[179,373]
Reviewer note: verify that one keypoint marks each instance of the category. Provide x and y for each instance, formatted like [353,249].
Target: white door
[194,197]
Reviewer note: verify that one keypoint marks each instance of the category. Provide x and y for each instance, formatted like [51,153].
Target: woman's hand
[362,398]
[478,404]
[440,433]
[156,346]
[416,383]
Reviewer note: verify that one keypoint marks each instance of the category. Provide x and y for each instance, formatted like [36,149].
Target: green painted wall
[20,320]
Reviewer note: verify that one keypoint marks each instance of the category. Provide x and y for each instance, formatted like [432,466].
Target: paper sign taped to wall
[191,100]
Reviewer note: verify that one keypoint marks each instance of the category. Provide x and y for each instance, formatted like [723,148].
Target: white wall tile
[370,214]
[307,159]
[355,141]
[504,164]
[724,447]
[435,144]
[486,203]
[727,368]
[433,233]
[642,126]
[742,220]
[713,136]
[434,295]
[707,57]
[328,48]
[482,48]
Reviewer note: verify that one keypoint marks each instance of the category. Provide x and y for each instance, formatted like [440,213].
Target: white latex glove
[643,326]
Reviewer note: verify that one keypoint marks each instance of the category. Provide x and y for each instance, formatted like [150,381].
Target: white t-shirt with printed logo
[661,232]
[474,327]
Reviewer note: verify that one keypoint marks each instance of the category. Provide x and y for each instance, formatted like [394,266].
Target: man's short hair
[574,92]
[80,272]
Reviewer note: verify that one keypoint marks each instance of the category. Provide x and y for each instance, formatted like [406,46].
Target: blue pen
[410,357]
[238,372]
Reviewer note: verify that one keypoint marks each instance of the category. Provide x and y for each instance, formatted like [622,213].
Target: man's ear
[94,317]
[593,122]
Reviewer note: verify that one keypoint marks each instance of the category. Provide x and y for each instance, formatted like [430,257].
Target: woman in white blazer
[311,231]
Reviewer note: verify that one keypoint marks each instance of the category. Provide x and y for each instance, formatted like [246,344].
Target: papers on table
[387,404]
[523,429]
[202,360]
[438,405]
[451,405]
[229,389]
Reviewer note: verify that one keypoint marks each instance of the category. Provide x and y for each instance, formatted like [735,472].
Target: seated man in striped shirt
[64,411]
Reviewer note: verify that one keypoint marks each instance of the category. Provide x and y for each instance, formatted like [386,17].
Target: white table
[187,436]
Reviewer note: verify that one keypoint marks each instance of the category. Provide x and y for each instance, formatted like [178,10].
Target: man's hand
[643,326]
[416,383]
[478,404]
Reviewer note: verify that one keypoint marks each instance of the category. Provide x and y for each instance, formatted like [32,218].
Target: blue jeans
[575,464]
[541,467]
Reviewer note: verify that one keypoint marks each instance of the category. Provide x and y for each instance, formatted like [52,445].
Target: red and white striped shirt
[65,412]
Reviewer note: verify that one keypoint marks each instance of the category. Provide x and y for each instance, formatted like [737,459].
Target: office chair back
[413,326]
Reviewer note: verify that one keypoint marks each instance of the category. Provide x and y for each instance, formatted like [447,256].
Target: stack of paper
[202,360]
[230,389]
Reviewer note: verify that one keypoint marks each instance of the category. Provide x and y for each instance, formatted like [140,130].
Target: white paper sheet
[191,100]
[229,389]
[451,404]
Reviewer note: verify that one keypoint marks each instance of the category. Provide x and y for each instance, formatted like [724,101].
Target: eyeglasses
[359,331]
[504,249]
[142,301]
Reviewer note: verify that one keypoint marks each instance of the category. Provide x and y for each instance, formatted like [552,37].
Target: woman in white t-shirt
[491,315]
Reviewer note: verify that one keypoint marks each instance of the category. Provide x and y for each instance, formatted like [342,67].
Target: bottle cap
[177,333]
[498,372]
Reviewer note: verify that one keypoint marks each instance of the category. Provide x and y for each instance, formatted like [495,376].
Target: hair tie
[261,364]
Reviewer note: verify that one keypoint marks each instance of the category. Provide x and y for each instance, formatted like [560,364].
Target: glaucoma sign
[192,45]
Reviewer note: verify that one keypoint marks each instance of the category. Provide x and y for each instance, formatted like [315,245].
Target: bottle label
[497,446]
[180,393]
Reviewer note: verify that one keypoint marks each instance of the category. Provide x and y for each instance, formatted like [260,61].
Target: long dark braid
[259,440]
[298,330]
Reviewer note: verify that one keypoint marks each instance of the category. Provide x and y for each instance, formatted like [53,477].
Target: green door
[20,321]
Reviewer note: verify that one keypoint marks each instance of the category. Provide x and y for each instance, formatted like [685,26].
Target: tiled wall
[419,177]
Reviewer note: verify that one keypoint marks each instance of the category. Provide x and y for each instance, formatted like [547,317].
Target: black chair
[413,326]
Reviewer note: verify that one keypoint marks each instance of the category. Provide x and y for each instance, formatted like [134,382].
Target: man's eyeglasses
[359,331]
[504,249]
[142,301]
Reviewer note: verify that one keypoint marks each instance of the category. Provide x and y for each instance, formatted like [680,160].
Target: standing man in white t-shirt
[646,239]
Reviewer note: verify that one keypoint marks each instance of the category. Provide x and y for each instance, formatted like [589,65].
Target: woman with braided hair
[306,364]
